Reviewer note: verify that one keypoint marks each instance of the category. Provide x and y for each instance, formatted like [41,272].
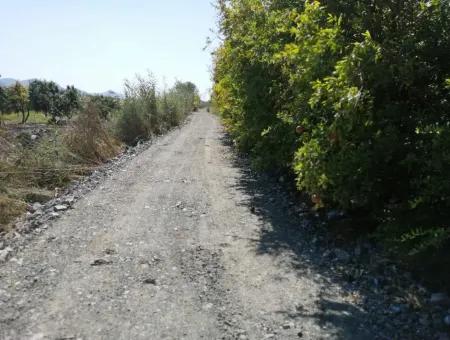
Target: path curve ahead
[172,246]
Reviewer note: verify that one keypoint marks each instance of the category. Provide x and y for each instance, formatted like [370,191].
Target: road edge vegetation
[353,100]
[82,132]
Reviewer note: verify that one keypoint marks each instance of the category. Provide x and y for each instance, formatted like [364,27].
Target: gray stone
[37,213]
[209,306]
[150,281]
[61,207]
[288,325]
[100,262]
[5,253]
[54,214]
[69,200]
[37,206]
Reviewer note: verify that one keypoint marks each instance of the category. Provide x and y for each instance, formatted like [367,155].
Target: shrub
[145,113]
[9,210]
[105,105]
[47,164]
[353,97]
[44,95]
[18,101]
[88,140]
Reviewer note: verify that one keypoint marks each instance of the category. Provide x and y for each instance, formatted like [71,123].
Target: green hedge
[353,97]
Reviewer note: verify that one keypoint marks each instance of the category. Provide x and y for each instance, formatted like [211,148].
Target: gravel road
[172,246]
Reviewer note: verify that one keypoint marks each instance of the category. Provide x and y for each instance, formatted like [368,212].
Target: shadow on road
[293,234]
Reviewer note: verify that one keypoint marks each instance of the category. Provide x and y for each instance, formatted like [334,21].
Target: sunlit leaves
[365,82]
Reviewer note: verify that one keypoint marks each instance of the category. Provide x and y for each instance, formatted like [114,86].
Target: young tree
[188,96]
[18,101]
[71,100]
[3,102]
[105,105]
[65,103]
[43,95]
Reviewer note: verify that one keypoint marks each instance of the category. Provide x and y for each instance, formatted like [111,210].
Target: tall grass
[88,139]
[54,161]
[147,112]
[31,171]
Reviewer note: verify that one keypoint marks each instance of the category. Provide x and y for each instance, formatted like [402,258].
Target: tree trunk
[25,116]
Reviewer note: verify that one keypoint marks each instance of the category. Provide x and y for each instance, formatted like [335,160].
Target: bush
[353,97]
[105,105]
[131,124]
[88,140]
[146,113]
[47,164]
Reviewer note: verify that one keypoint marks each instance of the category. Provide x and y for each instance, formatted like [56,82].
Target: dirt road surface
[174,246]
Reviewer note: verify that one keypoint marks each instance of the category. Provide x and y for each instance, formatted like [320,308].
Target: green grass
[35,118]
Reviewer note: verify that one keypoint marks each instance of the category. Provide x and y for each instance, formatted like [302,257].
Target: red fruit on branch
[316,199]
[300,129]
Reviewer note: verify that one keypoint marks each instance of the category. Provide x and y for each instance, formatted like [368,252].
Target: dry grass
[89,140]
[9,210]
[5,146]
[31,173]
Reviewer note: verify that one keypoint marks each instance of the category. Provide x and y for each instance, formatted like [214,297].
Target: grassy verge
[32,173]
[34,167]
[35,118]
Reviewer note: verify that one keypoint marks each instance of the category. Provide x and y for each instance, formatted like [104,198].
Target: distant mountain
[111,93]
[27,82]
[6,82]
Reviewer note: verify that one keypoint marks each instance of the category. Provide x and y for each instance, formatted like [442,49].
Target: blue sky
[96,44]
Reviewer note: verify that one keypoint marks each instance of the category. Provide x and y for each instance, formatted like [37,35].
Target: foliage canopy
[351,96]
